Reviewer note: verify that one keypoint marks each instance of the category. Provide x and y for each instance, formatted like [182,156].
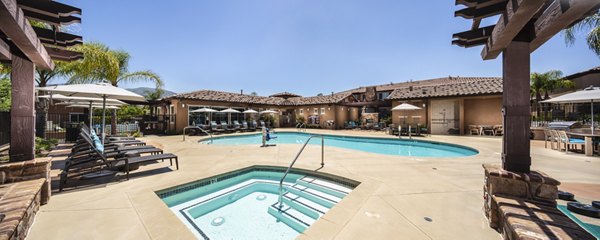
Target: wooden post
[22,123]
[516,107]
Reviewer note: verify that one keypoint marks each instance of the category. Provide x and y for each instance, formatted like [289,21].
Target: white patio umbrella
[67,100]
[267,112]
[589,94]
[229,111]
[93,106]
[250,111]
[405,107]
[205,110]
[102,90]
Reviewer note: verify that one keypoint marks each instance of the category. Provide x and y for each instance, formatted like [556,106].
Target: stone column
[516,107]
[22,115]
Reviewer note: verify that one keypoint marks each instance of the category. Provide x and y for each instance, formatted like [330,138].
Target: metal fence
[4,128]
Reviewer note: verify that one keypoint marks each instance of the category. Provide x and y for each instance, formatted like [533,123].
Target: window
[302,111]
[76,117]
[315,111]
[172,113]
[322,111]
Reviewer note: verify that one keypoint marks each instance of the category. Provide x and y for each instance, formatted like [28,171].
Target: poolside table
[589,140]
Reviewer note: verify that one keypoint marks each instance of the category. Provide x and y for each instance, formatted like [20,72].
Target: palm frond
[99,64]
[141,76]
[593,40]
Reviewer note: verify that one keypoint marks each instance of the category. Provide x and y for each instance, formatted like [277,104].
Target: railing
[299,126]
[294,161]
[195,127]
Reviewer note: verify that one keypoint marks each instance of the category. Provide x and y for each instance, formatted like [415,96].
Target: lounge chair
[100,160]
[252,126]
[262,124]
[236,125]
[225,126]
[498,130]
[214,127]
[244,126]
[84,149]
[474,130]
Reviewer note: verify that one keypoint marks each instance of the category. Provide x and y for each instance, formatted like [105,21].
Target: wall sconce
[342,108]
[182,105]
[328,109]
[424,104]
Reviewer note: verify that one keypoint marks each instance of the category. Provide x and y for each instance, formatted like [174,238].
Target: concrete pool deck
[395,196]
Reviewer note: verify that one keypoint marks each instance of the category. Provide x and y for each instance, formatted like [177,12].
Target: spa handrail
[294,161]
[204,131]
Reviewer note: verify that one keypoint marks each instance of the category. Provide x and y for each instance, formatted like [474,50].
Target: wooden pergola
[25,47]
[523,26]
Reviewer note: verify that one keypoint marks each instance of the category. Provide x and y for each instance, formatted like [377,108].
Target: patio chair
[570,142]
[474,130]
[487,130]
[252,126]
[99,160]
[548,138]
[555,137]
[214,127]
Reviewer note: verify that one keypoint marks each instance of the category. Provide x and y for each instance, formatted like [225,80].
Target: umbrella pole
[91,116]
[592,112]
[103,118]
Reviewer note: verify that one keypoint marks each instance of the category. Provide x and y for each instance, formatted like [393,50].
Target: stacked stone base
[24,187]
[523,206]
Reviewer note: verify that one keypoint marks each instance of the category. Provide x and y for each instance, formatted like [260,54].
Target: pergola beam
[479,12]
[14,24]
[517,14]
[558,16]
[4,51]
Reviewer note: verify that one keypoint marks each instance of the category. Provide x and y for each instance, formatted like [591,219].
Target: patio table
[589,140]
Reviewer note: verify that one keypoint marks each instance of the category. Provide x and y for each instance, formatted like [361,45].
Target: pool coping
[161,223]
[386,137]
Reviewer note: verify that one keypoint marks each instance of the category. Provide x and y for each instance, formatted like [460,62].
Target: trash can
[72,132]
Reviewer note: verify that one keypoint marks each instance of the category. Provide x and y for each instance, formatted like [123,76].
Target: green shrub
[42,146]
[137,134]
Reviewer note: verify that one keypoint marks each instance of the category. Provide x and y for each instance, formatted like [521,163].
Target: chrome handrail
[294,161]
[299,126]
[199,128]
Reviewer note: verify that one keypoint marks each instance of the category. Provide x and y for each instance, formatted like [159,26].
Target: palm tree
[591,23]
[43,78]
[545,83]
[101,63]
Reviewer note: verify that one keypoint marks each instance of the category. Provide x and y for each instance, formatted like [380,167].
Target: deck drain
[428,219]
[261,197]
[217,221]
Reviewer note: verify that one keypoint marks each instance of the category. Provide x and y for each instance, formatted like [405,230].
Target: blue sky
[301,46]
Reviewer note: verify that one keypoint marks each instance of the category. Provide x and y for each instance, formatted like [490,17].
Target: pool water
[244,205]
[388,146]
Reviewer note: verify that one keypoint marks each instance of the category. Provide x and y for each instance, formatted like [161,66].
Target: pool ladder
[199,128]
[280,201]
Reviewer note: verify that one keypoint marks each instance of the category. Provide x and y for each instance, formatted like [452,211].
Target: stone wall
[28,170]
[19,202]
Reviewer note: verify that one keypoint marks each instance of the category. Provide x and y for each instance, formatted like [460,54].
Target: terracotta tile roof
[285,95]
[220,96]
[451,86]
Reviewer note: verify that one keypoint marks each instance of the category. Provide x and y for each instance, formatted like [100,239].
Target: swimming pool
[244,204]
[388,146]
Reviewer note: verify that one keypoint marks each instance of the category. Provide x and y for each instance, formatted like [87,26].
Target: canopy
[88,104]
[93,106]
[64,98]
[589,94]
[229,110]
[405,106]
[584,96]
[204,110]
[94,90]
[250,111]
[268,111]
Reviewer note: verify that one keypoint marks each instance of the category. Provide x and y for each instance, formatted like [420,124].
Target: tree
[320,94]
[591,23]
[253,94]
[5,94]
[545,83]
[43,78]
[100,63]
[153,96]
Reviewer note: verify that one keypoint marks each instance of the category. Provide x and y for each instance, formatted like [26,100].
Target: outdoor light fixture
[424,104]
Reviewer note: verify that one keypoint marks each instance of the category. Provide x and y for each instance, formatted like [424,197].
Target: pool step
[291,217]
[324,186]
[306,201]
